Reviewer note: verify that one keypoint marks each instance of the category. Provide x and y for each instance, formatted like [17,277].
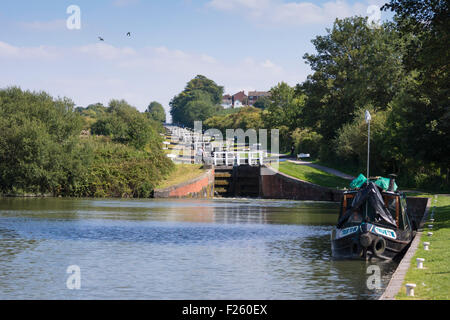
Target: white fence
[230,158]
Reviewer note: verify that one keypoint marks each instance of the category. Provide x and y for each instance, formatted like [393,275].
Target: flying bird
[129,34]
[101,39]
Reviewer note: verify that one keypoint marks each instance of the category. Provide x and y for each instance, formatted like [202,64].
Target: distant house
[239,99]
[227,101]
[253,96]
[238,104]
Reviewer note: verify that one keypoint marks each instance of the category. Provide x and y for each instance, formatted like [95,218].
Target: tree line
[43,149]
[398,71]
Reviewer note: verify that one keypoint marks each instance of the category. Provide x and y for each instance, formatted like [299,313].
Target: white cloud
[100,72]
[107,51]
[52,25]
[292,13]
[41,52]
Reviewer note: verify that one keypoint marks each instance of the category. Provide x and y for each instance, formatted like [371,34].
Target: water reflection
[159,249]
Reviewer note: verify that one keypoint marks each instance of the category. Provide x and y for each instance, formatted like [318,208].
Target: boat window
[404,222]
[392,203]
[356,216]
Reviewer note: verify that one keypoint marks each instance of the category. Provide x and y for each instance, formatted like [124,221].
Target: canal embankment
[418,215]
[432,282]
[278,185]
[188,181]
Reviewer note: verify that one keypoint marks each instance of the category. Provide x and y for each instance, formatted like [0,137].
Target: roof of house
[258,93]
[239,96]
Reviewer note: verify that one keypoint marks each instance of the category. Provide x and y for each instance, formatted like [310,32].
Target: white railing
[224,157]
[229,158]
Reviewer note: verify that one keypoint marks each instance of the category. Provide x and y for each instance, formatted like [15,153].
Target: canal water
[176,249]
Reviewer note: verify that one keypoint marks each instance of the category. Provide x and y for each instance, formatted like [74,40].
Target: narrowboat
[373,222]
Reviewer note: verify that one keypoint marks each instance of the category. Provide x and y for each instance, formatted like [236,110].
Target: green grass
[433,282]
[182,173]
[313,175]
[344,167]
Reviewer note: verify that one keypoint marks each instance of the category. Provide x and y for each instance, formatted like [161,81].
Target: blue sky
[240,44]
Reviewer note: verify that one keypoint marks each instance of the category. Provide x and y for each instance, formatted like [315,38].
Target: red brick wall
[201,187]
[190,188]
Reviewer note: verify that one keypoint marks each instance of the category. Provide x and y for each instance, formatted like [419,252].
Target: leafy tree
[354,66]
[306,141]
[421,111]
[37,141]
[285,107]
[199,101]
[125,124]
[206,85]
[156,112]
[262,103]
[118,170]
[246,118]
[351,142]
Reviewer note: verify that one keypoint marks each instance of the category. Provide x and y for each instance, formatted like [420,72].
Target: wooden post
[397,210]
[344,204]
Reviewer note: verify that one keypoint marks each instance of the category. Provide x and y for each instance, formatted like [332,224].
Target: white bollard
[410,289]
[430,234]
[426,245]
[420,263]
[431,220]
[430,226]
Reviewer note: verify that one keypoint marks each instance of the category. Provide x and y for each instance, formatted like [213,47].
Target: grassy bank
[313,175]
[433,282]
[182,173]
[409,179]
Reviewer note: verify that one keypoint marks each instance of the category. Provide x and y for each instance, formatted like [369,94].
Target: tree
[354,66]
[285,107]
[262,103]
[125,124]
[422,111]
[156,112]
[351,142]
[206,85]
[198,101]
[245,118]
[37,142]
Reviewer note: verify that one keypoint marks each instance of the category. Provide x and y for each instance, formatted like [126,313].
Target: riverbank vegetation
[48,147]
[397,70]
[432,282]
[182,173]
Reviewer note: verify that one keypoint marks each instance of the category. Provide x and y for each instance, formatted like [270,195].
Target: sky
[240,44]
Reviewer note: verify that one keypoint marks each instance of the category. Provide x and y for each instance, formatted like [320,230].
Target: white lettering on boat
[347,231]
[386,232]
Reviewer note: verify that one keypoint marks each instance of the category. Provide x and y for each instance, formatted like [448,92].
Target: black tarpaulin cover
[368,193]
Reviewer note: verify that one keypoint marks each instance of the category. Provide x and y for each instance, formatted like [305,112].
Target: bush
[117,170]
[37,142]
[306,141]
[125,124]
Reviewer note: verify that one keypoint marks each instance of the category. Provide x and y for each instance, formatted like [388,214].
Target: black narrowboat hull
[369,241]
